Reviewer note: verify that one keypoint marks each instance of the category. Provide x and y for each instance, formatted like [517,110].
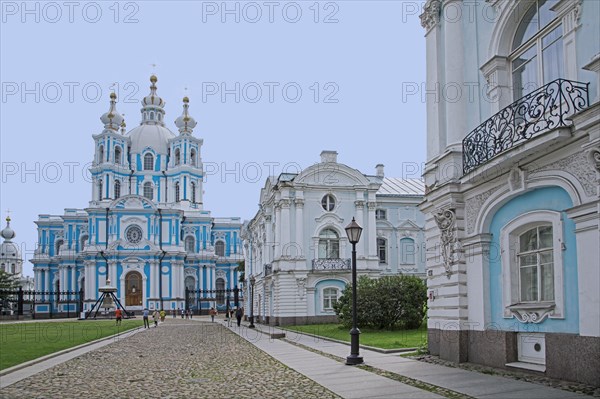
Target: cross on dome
[185,122]
[112,119]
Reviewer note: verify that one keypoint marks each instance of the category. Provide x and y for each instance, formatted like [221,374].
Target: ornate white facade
[296,247]
[512,184]
[10,257]
[145,227]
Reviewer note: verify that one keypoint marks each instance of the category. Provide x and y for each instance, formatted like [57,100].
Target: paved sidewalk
[466,382]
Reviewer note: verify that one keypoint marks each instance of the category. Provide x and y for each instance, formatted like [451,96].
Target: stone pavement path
[179,359]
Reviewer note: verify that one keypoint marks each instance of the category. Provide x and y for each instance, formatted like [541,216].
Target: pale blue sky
[361,63]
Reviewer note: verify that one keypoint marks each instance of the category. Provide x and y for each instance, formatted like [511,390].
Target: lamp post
[252,281]
[353,231]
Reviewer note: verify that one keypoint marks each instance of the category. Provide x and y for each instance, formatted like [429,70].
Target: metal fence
[200,301]
[40,304]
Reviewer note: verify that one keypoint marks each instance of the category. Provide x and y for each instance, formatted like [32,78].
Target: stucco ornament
[446,222]
[594,157]
[531,313]
[301,281]
[431,14]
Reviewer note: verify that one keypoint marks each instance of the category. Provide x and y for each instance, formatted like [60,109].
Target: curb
[62,352]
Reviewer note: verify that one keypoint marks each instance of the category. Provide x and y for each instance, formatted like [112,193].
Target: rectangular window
[536,265]
[380,214]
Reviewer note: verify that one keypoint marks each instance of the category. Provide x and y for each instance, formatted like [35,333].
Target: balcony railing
[331,264]
[544,109]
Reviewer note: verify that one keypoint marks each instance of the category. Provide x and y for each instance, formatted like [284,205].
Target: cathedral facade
[145,230]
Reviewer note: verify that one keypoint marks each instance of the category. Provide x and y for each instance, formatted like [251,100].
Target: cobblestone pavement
[179,359]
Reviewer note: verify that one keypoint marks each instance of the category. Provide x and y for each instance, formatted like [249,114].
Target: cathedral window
[100,190]
[151,116]
[220,248]
[189,244]
[193,189]
[177,192]
[220,285]
[148,190]
[118,155]
[58,244]
[82,243]
[382,250]
[329,244]
[537,57]
[148,162]
[117,189]
[101,154]
[177,157]
[193,157]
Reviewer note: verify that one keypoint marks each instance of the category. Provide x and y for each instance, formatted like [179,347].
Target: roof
[398,186]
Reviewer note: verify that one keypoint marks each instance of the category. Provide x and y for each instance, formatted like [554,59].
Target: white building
[296,247]
[10,257]
[512,193]
[145,227]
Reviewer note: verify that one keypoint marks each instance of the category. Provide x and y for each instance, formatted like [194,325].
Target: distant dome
[153,136]
[7,233]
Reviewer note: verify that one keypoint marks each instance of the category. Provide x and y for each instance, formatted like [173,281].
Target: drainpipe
[163,254]
[166,185]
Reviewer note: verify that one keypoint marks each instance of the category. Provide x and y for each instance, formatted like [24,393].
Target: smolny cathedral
[145,229]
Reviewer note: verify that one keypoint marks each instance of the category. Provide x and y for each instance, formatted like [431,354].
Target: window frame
[177,190]
[148,156]
[186,244]
[328,201]
[323,298]
[509,244]
[117,189]
[118,153]
[221,242]
[382,244]
[379,212]
[150,186]
[329,249]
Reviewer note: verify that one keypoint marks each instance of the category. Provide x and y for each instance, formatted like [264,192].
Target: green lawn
[378,338]
[21,342]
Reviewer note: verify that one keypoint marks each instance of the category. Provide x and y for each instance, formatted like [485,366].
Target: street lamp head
[353,231]
[252,280]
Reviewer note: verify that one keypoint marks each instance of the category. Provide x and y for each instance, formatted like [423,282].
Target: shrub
[385,303]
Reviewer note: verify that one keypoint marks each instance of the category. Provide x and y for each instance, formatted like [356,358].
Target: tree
[8,282]
[385,303]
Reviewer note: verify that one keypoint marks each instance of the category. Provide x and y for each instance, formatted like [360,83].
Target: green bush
[386,303]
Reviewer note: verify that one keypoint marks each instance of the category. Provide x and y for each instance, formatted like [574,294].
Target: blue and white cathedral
[145,229]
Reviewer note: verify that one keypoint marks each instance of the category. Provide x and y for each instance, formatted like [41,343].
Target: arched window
[193,157]
[133,289]
[190,283]
[537,49]
[148,190]
[193,189]
[101,154]
[220,248]
[117,155]
[190,244]
[329,244]
[382,250]
[117,189]
[100,190]
[158,114]
[328,202]
[407,251]
[177,157]
[148,161]
[220,285]
[177,192]
[152,115]
[330,297]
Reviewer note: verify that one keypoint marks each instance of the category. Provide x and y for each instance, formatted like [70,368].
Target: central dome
[154,136]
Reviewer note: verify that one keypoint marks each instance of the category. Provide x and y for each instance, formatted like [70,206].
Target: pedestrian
[173,313]
[191,313]
[230,316]
[163,314]
[155,316]
[238,315]
[145,317]
[182,313]
[187,314]
[213,313]
[118,316]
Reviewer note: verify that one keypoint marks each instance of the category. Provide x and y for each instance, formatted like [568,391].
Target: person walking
[118,316]
[145,317]
[155,317]
[212,313]
[230,316]
[238,315]
[173,313]
[182,313]
[163,314]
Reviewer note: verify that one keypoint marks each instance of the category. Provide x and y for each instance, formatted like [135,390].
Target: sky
[271,84]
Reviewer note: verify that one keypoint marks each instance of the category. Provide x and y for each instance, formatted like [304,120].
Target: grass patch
[21,342]
[383,339]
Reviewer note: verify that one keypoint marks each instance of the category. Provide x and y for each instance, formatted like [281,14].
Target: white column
[47,282]
[277,238]
[454,87]
[299,235]
[285,226]
[153,279]
[359,206]
[372,237]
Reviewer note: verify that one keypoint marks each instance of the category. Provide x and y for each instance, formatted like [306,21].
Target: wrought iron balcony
[331,264]
[540,111]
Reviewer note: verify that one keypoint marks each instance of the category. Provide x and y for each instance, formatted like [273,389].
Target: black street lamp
[252,281]
[353,231]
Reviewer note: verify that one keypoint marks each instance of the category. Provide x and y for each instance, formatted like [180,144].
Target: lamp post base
[353,360]
[251,322]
